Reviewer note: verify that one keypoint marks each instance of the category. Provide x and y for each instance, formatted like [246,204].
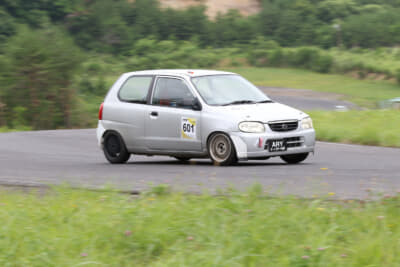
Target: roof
[179,72]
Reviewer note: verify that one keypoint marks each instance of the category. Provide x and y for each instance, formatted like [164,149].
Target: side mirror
[196,105]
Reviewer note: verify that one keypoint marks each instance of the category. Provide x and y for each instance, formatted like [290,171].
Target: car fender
[240,147]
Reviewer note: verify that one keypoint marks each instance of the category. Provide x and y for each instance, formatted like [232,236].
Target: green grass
[17,129]
[85,228]
[362,92]
[371,127]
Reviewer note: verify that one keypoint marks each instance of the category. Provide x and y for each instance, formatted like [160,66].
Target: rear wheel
[114,148]
[221,149]
[295,158]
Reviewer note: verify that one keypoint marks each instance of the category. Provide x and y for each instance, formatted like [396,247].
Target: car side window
[173,93]
[135,89]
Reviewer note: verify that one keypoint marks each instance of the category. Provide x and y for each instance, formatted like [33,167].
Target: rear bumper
[251,145]
[100,132]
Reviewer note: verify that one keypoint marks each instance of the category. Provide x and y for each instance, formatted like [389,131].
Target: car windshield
[228,90]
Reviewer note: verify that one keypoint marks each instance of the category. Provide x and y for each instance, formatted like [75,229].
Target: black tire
[182,158]
[294,158]
[221,149]
[114,148]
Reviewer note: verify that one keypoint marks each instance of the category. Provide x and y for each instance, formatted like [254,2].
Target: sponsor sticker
[188,128]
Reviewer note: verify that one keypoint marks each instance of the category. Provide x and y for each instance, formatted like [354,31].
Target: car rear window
[135,89]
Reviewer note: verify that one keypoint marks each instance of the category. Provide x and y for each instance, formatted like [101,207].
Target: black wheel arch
[112,132]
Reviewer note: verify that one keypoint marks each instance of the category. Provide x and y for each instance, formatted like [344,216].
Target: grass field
[65,227]
[18,129]
[362,92]
[371,127]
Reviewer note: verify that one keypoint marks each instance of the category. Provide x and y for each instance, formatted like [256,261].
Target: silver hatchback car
[198,114]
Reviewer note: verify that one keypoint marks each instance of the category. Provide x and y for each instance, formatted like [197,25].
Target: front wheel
[221,149]
[295,158]
[114,148]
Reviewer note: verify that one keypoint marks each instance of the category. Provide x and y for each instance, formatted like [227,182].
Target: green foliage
[101,27]
[359,127]
[94,85]
[7,26]
[36,85]
[20,114]
[31,11]
[330,10]
[112,26]
[305,57]
[65,227]
[152,54]
[369,30]
[322,63]
[398,76]
[232,28]
[379,61]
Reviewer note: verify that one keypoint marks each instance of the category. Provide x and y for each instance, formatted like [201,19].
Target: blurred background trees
[44,42]
[112,26]
[36,76]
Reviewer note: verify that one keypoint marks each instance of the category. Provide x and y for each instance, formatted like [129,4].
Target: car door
[127,114]
[171,123]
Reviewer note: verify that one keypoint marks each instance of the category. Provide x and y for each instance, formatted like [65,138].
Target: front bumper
[253,145]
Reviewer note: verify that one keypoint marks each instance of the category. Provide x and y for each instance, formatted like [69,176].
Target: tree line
[112,26]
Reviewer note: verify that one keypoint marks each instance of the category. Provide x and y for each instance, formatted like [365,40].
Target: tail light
[101,111]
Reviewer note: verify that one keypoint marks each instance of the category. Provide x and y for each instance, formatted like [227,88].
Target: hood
[263,112]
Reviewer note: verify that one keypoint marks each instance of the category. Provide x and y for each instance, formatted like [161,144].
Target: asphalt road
[72,156]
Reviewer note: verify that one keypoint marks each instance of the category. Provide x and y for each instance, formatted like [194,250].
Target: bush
[19,117]
[322,63]
[304,57]
[276,57]
[398,76]
[347,65]
[257,57]
[94,68]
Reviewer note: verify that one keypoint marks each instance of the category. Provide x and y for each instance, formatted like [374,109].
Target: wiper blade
[238,102]
[266,101]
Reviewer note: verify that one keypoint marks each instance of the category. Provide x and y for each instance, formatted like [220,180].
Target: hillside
[246,7]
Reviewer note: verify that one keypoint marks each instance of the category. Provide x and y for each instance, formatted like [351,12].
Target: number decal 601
[187,127]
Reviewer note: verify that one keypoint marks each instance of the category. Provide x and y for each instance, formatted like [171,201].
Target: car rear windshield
[227,89]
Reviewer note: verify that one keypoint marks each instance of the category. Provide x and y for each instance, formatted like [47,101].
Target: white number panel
[188,128]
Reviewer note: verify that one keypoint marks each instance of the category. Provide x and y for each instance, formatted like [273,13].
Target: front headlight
[306,123]
[251,127]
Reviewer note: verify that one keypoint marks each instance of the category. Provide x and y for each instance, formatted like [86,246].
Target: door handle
[154,113]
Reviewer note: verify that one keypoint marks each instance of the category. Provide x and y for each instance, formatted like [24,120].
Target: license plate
[276,145]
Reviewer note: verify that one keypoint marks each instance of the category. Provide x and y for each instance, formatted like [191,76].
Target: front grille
[283,126]
[294,142]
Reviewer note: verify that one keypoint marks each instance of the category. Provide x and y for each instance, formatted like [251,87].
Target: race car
[199,114]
